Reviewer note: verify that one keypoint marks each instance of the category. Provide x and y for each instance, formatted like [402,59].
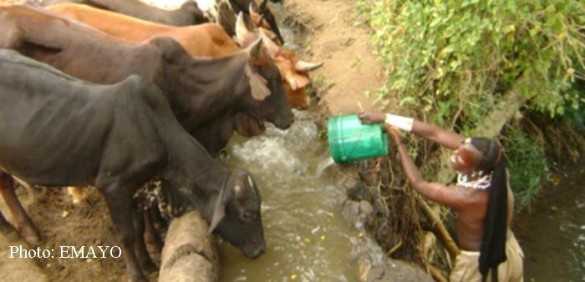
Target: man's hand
[394,134]
[371,116]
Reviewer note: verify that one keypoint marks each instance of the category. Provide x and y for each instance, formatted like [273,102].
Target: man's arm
[428,131]
[454,198]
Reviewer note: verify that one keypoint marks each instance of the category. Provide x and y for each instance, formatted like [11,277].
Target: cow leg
[120,207]
[143,256]
[150,233]
[22,221]
[158,221]
[7,230]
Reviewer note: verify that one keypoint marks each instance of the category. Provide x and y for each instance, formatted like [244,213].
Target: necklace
[481,183]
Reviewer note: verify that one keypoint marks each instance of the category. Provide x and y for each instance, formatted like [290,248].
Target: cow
[259,14]
[211,98]
[205,40]
[222,12]
[58,130]
[187,14]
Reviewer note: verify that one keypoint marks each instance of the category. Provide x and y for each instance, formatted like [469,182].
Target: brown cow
[206,40]
[187,14]
[222,12]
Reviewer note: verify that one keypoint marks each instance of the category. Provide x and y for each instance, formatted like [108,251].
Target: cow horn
[218,211]
[307,66]
[255,49]
[241,29]
[271,47]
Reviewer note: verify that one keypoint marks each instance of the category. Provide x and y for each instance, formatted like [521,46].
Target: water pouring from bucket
[351,140]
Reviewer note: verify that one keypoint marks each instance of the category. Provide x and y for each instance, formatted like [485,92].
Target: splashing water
[308,240]
[324,164]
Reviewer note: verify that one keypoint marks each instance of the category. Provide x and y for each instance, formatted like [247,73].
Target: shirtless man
[482,198]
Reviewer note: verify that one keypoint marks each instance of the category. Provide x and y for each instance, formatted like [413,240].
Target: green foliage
[443,51]
[452,61]
[526,165]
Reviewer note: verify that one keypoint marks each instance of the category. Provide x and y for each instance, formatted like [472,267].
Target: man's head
[478,153]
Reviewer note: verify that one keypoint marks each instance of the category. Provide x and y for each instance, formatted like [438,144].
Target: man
[482,198]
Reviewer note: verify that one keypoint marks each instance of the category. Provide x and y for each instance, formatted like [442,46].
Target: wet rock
[396,270]
[357,213]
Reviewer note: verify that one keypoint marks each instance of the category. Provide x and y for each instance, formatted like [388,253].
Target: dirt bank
[350,70]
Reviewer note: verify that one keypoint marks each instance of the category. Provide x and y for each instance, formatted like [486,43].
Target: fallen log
[189,253]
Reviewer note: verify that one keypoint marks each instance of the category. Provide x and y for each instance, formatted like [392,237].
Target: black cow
[57,130]
[261,9]
[210,97]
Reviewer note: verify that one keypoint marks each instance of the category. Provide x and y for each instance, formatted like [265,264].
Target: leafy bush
[526,165]
[451,62]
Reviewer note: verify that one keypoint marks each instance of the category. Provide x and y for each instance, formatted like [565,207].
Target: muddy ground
[331,34]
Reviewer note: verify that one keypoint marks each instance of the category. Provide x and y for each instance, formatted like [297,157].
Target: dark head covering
[493,243]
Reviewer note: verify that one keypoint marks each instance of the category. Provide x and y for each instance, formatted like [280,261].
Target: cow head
[293,71]
[260,14]
[193,10]
[236,214]
[268,100]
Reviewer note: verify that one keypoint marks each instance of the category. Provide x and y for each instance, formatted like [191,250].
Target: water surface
[307,237]
[553,234]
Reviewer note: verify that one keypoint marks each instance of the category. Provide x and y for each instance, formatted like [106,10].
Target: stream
[307,237]
[552,234]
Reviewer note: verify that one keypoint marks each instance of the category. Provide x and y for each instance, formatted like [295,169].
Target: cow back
[49,118]
[75,49]
[205,40]
[199,90]
[187,14]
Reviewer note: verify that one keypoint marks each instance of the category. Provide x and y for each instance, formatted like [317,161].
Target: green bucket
[350,140]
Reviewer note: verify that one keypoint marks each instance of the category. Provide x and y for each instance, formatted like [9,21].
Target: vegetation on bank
[503,69]
[512,70]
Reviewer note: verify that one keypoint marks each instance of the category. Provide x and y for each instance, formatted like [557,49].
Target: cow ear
[218,211]
[297,81]
[258,84]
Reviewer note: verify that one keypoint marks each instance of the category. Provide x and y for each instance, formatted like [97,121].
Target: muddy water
[553,234]
[308,240]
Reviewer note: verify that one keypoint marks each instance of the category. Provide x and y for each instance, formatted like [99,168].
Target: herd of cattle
[118,94]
